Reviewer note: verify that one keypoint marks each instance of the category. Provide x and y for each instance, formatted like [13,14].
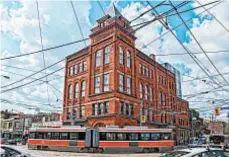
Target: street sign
[224,108]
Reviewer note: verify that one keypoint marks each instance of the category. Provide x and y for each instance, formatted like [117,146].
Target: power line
[188,51]
[147,11]
[101,7]
[199,44]
[178,54]
[33,73]
[215,18]
[3,91]
[151,42]
[42,47]
[205,77]
[50,48]
[10,66]
[78,23]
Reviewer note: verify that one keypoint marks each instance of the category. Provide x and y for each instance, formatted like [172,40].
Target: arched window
[83,88]
[76,94]
[121,55]
[70,91]
[128,59]
[141,90]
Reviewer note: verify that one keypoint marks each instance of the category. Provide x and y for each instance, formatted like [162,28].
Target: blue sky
[20,34]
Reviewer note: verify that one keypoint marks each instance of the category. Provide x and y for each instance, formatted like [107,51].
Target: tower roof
[113,11]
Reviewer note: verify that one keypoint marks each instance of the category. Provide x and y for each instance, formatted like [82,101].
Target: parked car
[14,141]
[7,151]
[198,152]
[3,141]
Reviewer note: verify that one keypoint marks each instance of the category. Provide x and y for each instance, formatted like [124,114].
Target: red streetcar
[128,139]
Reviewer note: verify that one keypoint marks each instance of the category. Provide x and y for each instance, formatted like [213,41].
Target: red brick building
[106,81]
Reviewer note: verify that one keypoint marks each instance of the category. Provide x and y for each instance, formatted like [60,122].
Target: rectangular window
[129,85]
[107,55]
[146,92]
[140,69]
[121,55]
[133,136]
[106,82]
[150,73]
[163,99]
[97,58]
[82,111]
[80,67]
[121,83]
[111,136]
[97,84]
[106,107]
[75,69]
[127,109]
[71,71]
[64,136]
[121,107]
[131,109]
[84,65]
[121,136]
[155,136]
[55,135]
[150,94]
[73,135]
[147,72]
[100,108]
[145,136]
[95,109]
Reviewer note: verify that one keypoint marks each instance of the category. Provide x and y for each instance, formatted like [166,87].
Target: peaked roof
[113,11]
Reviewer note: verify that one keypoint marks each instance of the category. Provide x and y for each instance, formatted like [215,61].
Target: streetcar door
[95,138]
[88,139]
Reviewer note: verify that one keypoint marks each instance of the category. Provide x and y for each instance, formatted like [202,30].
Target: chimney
[152,56]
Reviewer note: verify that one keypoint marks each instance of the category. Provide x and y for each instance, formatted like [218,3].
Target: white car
[7,151]
[198,152]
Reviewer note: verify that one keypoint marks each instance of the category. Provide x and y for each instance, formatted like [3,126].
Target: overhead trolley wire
[199,44]
[159,37]
[42,47]
[46,49]
[190,53]
[3,91]
[78,23]
[33,74]
[101,7]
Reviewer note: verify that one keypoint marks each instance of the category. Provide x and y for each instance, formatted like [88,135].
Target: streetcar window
[32,135]
[55,135]
[111,136]
[47,135]
[102,136]
[121,136]
[145,136]
[74,136]
[133,136]
[64,136]
[39,135]
[166,136]
[81,135]
[155,136]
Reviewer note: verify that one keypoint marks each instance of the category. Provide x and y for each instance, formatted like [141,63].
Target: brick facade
[110,101]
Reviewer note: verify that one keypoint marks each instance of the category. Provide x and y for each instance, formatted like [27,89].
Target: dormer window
[102,24]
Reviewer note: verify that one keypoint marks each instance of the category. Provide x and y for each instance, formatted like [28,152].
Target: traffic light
[217,111]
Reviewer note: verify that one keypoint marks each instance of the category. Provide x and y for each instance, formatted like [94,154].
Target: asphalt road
[39,153]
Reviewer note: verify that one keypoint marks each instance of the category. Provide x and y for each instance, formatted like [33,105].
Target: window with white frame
[106,82]
[146,92]
[97,58]
[121,83]
[75,69]
[70,91]
[128,59]
[121,55]
[107,55]
[97,84]
[141,90]
[151,94]
[129,85]
[83,88]
[84,65]
[80,67]
[76,94]
[71,71]
[82,111]
[106,107]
